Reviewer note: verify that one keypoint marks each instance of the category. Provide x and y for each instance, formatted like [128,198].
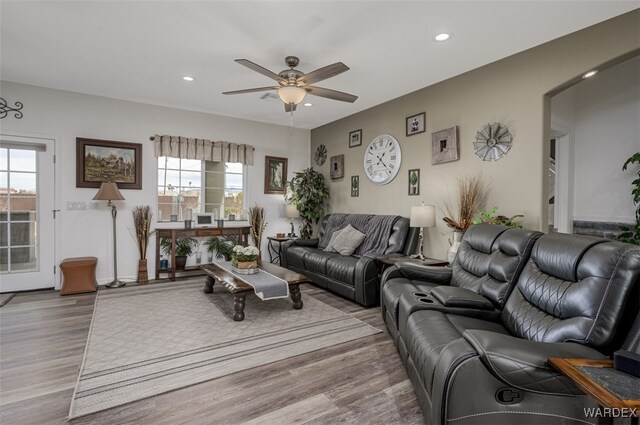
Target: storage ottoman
[78,275]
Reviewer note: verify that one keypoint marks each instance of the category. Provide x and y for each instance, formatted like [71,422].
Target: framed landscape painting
[100,161]
[275,174]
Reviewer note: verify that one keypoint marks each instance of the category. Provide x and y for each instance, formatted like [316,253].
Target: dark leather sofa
[354,277]
[475,338]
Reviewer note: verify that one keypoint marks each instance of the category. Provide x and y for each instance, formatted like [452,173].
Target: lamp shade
[291,211]
[291,94]
[423,216]
[108,192]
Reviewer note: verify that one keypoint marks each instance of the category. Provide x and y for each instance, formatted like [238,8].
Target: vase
[246,264]
[143,276]
[454,241]
[181,262]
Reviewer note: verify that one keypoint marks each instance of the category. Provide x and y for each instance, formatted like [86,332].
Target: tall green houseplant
[632,235]
[310,193]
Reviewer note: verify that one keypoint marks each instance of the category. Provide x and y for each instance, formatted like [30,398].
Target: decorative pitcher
[454,241]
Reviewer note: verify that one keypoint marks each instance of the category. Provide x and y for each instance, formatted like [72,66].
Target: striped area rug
[148,340]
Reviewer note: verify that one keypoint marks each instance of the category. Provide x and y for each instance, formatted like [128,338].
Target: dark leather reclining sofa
[475,338]
[354,277]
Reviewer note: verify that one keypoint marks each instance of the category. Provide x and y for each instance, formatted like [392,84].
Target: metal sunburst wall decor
[5,109]
[492,142]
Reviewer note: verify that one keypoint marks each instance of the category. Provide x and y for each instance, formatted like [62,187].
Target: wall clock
[382,159]
[492,142]
[320,155]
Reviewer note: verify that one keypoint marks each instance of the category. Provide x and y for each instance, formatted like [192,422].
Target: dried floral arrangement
[257,223]
[472,193]
[142,226]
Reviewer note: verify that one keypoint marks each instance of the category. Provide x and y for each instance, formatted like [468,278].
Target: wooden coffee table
[237,286]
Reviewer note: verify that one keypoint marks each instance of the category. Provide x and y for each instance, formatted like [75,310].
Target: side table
[275,252]
[612,389]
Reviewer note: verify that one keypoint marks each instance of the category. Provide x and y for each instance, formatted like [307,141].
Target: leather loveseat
[355,276]
[472,361]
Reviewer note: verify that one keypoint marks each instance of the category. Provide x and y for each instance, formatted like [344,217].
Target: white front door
[27,199]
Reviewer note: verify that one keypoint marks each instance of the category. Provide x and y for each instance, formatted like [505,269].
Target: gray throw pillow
[348,240]
[331,246]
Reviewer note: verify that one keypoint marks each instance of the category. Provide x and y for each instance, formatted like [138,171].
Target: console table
[180,232]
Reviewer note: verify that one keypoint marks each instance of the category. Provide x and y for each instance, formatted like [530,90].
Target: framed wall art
[355,138]
[445,146]
[355,186]
[100,161]
[414,182]
[275,174]
[337,167]
[415,124]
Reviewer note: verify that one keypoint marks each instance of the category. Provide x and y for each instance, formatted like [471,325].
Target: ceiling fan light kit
[294,84]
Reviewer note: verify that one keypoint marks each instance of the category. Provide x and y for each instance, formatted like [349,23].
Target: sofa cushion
[295,256]
[342,268]
[315,261]
[347,241]
[330,245]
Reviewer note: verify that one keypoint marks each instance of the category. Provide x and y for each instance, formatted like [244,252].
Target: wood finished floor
[42,340]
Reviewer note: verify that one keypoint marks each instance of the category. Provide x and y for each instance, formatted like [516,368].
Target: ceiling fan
[293,85]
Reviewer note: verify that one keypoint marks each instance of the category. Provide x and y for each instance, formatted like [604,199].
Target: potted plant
[309,192]
[141,226]
[184,248]
[245,257]
[222,246]
[472,192]
[632,235]
[492,217]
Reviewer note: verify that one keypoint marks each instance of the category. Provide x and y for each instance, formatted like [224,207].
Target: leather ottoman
[78,275]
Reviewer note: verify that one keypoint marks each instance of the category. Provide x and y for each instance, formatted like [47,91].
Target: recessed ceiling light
[590,73]
[187,78]
[442,36]
[308,104]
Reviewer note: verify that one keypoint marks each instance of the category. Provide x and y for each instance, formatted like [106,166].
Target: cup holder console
[426,300]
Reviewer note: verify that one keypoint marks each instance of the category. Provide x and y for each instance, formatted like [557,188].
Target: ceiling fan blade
[260,69]
[324,73]
[331,94]
[250,90]
[288,107]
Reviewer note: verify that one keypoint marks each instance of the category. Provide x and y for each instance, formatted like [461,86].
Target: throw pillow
[331,245]
[348,240]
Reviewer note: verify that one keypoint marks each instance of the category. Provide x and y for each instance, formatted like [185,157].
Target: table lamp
[422,216]
[109,192]
[291,212]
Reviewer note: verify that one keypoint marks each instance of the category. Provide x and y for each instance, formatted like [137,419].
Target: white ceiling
[140,50]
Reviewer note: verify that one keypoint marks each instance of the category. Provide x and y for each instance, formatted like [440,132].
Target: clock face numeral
[382,159]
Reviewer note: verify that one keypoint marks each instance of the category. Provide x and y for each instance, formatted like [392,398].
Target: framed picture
[100,161]
[355,138]
[355,186]
[275,174]
[415,124]
[414,182]
[337,167]
[445,146]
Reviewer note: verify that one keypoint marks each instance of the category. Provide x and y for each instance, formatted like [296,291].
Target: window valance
[207,150]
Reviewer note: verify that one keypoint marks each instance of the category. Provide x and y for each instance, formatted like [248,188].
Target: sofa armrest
[439,275]
[367,282]
[311,243]
[522,364]
[453,296]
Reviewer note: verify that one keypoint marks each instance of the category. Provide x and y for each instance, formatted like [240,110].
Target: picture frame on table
[355,138]
[99,161]
[275,175]
[445,146]
[416,124]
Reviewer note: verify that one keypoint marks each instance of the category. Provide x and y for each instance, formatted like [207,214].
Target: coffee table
[237,286]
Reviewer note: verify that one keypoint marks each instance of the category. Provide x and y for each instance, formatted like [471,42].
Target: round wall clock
[320,155]
[382,159]
[492,142]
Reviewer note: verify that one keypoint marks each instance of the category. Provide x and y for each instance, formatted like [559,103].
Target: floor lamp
[109,192]
[422,216]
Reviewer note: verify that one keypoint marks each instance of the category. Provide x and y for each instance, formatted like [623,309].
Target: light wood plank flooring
[42,339]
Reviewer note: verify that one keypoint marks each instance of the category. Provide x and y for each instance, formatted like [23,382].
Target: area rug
[148,340]
[5,298]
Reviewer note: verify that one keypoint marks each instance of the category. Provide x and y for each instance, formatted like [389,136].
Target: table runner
[265,285]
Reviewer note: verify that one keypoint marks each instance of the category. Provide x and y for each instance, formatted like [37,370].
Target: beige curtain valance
[207,150]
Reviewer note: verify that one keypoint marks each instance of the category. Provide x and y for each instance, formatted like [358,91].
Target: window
[202,186]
